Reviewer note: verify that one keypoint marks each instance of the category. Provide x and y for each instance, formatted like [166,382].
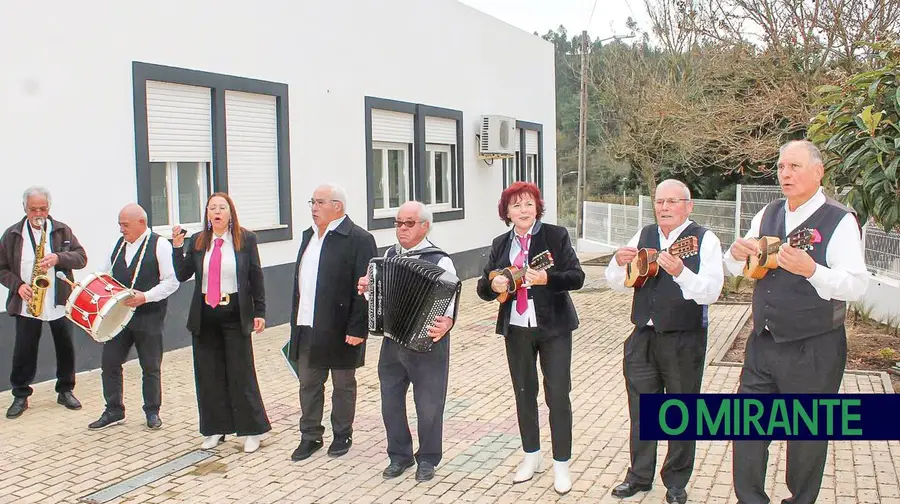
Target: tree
[860,131]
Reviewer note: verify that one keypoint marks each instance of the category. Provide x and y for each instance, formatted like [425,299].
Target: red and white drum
[97,305]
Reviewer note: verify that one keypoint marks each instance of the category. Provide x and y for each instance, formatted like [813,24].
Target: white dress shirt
[702,287]
[529,318]
[51,310]
[445,263]
[168,283]
[845,277]
[228,271]
[309,273]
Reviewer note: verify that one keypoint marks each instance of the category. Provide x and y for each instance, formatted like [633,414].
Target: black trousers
[228,394]
[656,363]
[312,393]
[523,346]
[809,366]
[25,354]
[428,372]
[115,352]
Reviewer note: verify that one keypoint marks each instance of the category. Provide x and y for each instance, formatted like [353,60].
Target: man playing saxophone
[31,252]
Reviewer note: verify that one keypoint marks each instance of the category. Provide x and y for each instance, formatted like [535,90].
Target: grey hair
[815,155]
[676,183]
[337,193]
[35,191]
[425,214]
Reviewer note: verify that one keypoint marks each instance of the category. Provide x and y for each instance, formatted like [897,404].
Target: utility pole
[582,136]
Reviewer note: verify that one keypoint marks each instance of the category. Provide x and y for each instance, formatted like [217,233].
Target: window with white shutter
[200,132]
[440,163]
[251,138]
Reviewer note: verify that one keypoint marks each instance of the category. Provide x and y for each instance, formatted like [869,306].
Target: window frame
[378,219]
[388,211]
[218,171]
[429,176]
[174,205]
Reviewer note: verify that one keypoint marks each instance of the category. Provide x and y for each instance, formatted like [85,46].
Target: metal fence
[613,224]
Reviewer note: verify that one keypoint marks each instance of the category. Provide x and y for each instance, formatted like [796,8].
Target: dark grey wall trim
[218,83]
[417,167]
[539,168]
[279,279]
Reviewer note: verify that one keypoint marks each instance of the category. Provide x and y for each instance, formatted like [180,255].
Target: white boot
[562,480]
[212,441]
[530,465]
[251,444]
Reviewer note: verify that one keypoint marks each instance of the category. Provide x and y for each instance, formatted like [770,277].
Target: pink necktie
[521,293]
[214,277]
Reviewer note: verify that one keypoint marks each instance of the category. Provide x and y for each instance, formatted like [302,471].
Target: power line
[592,14]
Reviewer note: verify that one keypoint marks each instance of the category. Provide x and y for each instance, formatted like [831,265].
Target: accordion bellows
[405,295]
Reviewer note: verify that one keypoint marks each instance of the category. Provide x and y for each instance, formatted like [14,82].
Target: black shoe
[425,471]
[395,469]
[68,400]
[106,419]
[628,489]
[340,446]
[676,495]
[18,406]
[306,448]
[153,421]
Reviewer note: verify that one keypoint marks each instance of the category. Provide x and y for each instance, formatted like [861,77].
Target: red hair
[512,194]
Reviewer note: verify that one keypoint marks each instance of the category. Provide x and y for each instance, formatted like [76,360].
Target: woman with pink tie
[227,307]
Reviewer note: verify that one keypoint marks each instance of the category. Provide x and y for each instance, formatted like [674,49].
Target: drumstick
[62,276]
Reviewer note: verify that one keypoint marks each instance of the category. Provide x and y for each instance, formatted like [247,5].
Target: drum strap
[140,259]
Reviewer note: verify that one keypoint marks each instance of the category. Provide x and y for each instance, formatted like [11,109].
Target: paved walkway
[49,455]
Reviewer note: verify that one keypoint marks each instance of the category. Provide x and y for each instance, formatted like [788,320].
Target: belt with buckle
[226,298]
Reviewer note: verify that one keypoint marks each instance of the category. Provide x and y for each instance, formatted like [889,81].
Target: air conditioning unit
[497,136]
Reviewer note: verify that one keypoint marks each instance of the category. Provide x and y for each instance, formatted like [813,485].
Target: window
[510,170]
[413,152]
[199,132]
[531,168]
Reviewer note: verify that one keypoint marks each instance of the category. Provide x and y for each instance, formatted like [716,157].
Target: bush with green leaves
[859,132]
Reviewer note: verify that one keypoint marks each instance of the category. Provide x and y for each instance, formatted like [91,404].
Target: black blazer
[251,289]
[552,303]
[339,311]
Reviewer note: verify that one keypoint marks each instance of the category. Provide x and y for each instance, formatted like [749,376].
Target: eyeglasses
[320,202]
[213,208]
[670,201]
[409,224]
[38,209]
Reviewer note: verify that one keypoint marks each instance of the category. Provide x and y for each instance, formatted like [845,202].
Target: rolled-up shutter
[531,142]
[440,130]
[179,122]
[252,143]
[391,126]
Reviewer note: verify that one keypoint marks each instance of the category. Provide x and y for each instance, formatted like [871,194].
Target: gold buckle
[226,298]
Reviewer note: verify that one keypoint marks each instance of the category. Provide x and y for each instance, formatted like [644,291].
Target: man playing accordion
[399,366]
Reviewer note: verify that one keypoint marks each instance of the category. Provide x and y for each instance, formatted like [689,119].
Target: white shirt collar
[139,238]
[675,232]
[422,244]
[227,238]
[330,227]
[530,230]
[817,200]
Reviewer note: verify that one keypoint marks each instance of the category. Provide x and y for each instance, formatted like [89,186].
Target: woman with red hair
[537,320]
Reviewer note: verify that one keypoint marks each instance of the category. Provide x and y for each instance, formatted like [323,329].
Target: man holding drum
[19,247]
[144,258]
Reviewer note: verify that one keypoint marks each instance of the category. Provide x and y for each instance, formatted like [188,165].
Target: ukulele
[516,276]
[645,266]
[759,264]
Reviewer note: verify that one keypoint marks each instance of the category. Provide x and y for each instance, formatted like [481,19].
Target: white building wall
[67,103]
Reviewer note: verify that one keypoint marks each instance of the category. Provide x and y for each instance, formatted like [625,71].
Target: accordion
[405,295]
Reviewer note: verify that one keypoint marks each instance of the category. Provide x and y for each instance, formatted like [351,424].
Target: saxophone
[39,280]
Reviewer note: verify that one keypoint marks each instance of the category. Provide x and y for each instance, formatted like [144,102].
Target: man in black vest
[428,372]
[143,258]
[798,344]
[666,352]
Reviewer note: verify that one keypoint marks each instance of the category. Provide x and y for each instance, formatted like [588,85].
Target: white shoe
[251,444]
[562,480]
[530,465]
[212,441]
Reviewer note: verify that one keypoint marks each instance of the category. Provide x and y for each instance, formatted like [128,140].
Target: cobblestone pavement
[49,455]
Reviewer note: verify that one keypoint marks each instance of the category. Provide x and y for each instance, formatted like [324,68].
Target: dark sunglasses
[409,224]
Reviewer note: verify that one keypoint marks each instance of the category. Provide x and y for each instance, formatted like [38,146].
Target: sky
[608,19]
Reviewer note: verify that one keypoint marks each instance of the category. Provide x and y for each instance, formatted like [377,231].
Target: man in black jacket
[62,253]
[666,351]
[329,319]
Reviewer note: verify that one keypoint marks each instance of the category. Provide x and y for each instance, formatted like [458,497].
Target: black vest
[787,303]
[431,254]
[660,298]
[148,315]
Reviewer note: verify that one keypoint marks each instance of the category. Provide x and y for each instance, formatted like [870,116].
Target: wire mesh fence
[613,224]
